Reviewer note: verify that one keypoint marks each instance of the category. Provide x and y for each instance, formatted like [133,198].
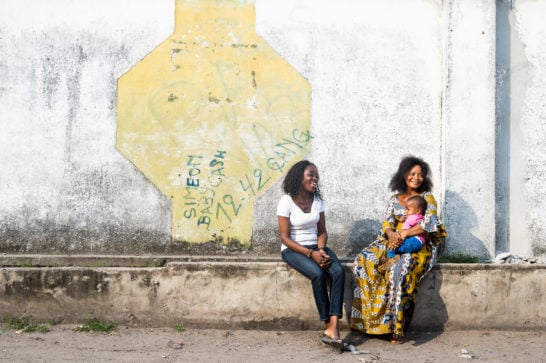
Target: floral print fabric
[384,304]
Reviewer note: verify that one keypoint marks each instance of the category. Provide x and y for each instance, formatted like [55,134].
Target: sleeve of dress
[388,221]
[431,221]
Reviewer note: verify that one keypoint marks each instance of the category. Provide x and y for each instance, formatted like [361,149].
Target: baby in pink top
[415,208]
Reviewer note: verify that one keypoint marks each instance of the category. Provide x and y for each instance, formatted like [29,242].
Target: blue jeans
[410,245]
[326,305]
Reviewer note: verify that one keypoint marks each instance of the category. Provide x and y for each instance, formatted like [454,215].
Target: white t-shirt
[303,226]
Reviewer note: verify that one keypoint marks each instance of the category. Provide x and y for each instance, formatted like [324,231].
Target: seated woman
[302,228]
[384,303]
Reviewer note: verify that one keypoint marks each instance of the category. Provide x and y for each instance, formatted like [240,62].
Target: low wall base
[251,293]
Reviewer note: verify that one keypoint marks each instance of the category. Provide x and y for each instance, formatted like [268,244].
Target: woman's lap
[327,303]
[307,266]
[383,304]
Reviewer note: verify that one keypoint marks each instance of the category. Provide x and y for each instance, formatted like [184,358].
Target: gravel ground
[127,344]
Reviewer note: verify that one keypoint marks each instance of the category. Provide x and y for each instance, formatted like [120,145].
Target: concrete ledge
[254,293]
[482,296]
[26,260]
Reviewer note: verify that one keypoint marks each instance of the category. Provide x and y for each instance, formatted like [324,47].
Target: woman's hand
[321,258]
[395,240]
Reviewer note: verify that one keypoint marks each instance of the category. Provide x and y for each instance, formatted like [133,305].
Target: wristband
[309,253]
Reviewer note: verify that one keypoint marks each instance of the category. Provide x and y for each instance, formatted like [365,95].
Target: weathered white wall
[469,122]
[528,127]
[388,78]
[376,72]
[64,186]
[521,116]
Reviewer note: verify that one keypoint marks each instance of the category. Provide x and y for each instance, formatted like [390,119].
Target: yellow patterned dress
[383,304]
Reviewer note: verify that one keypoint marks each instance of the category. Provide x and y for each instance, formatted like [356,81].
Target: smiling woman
[383,301]
[302,228]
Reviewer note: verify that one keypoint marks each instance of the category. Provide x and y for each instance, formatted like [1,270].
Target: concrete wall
[459,83]
[230,293]
[527,113]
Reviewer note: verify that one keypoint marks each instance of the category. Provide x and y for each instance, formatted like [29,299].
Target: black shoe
[335,343]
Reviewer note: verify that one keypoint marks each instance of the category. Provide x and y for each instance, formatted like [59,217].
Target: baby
[415,207]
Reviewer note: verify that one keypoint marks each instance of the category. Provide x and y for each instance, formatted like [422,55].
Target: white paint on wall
[469,116]
[529,130]
[388,78]
[64,186]
[104,15]
[376,74]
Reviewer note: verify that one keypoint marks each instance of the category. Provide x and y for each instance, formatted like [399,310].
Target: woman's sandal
[336,343]
[397,339]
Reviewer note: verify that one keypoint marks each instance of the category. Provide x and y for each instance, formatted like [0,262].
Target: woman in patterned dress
[383,303]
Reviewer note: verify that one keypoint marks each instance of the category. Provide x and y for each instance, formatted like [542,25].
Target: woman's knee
[337,271]
[316,273]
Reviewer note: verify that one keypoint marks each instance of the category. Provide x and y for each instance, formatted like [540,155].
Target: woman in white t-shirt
[302,228]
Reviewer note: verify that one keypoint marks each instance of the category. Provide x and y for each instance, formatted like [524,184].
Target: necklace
[304,204]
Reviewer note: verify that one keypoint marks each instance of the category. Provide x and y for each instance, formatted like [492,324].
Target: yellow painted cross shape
[212,117]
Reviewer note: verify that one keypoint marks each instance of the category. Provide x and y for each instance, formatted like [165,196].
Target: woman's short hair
[398,181]
[292,181]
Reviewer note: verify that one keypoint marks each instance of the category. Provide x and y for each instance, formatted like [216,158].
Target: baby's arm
[412,221]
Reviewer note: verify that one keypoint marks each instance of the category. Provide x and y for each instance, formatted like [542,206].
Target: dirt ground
[63,344]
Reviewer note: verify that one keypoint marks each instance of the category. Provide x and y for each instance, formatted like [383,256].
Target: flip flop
[336,343]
